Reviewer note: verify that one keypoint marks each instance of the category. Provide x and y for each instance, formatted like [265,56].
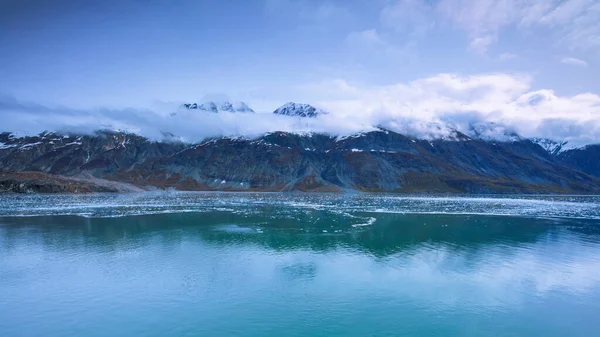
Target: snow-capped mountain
[399,155]
[378,160]
[298,110]
[551,146]
[216,107]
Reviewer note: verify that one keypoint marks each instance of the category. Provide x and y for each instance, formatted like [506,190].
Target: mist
[196,125]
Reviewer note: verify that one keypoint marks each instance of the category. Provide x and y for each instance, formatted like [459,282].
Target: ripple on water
[289,204]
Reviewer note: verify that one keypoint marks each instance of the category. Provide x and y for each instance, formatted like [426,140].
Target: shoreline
[31,182]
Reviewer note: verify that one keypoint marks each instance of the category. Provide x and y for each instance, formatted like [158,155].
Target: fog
[492,107]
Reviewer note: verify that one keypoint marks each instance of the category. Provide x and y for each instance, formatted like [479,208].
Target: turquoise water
[219,264]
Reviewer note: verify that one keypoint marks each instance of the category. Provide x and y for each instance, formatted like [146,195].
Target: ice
[360,209]
[369,222]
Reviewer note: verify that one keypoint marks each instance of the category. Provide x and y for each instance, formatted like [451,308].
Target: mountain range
[380,160]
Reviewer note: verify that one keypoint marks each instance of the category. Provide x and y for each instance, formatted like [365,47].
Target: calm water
[218,264]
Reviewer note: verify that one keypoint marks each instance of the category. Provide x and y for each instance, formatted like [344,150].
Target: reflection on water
[221,272]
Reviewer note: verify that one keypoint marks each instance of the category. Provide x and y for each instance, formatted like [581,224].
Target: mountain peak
[216,107]
[551,146]
[298,110]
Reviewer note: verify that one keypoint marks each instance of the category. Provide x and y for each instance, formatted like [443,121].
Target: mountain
[553,147]
[298,110]
[216,107]
[376,161]
[585,159]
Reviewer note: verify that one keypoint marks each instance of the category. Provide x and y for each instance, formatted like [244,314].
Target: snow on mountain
[241,107]
[380,160]
[551,146]
[298,110]
[555,148]
[490,131]
[216,107]
[438,130]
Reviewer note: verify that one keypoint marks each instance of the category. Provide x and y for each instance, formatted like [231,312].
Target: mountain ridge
[219,106]
[374,161]
[298,110]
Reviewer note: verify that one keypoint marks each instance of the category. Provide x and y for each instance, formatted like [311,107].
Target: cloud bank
[427,108]
[460,101]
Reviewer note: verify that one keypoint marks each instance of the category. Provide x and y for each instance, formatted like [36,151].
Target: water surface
[269,264]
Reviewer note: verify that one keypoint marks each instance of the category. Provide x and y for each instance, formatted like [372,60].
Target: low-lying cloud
[426,108]
[507,100]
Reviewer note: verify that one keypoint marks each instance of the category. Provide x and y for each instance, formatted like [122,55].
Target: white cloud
[584,31]
[481,44]
[575,23]
[423,108]
[574,62]
[190,125]
[481,19]
[565,11]
[449,98]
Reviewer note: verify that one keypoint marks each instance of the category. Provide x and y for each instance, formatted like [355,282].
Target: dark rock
[585,159]
[372,161]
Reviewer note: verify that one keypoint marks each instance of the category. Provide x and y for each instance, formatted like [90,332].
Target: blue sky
[355,57]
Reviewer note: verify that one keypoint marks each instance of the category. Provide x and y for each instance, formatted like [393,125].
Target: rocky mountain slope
[380,160]
[585,159]
[488,158]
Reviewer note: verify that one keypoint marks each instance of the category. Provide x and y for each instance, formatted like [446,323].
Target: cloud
[583,31]
[189,125]
[507,99]
[482,19]
[575,23]
[574,62]
[429,107]
[480,45]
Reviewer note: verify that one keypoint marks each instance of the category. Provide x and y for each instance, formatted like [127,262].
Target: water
[229,264]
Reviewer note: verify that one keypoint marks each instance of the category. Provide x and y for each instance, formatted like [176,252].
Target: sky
[531,65]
